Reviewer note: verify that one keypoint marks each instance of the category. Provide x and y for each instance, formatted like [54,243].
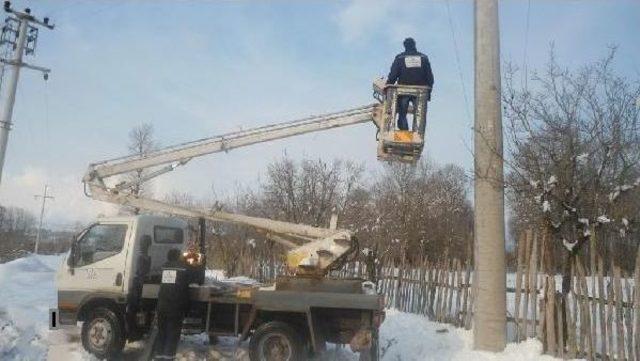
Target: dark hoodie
[173,297]
[411,68]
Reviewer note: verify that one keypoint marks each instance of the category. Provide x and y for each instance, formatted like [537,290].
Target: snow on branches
[574,151]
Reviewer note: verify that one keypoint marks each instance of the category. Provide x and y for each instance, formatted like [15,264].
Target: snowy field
[27,291]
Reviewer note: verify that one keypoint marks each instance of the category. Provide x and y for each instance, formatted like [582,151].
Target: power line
[525,64]
[66,7]
[459,65]
[462,82]
[110,6]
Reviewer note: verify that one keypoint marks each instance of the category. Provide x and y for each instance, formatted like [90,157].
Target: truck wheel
[276,341]
[102,334]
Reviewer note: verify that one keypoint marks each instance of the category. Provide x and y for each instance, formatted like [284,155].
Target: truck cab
[95,278]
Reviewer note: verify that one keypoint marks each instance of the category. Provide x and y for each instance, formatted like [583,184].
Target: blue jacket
[411,68]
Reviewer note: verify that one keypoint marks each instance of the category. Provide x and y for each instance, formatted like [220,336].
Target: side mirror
[73,254]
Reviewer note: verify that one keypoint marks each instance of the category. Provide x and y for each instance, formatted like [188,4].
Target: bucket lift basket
[393,143]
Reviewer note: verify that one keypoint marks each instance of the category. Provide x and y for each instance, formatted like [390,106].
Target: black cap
[409,44]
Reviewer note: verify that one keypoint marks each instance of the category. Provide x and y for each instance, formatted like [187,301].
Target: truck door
[98,259]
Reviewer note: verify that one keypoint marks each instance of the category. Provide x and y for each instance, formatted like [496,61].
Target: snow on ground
[28,291]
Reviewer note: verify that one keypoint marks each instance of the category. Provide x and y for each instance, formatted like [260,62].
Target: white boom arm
[313,250]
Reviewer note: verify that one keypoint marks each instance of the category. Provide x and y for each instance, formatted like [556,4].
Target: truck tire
[102,334]
[276,341]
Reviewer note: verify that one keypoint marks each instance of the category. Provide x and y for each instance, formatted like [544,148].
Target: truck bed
[289,294]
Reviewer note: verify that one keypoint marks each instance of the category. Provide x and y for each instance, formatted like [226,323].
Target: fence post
[533,275]
[467,298]
[550,315]
[458,292]
[602,309]
[628,318]
[592,273]
[617,287]
[636,305]
[560,301]
[519,271]
[571,318]
[610,308]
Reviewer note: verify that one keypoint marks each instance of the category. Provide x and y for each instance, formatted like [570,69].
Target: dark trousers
[403,108]
[168,337]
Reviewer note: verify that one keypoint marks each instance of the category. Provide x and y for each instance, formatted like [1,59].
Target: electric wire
[47,133]
[106,8]
[467,106]
[458,63]
[66,7]
[525,63]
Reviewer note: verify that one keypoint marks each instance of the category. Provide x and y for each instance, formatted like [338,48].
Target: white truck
[297,316]
[301,313]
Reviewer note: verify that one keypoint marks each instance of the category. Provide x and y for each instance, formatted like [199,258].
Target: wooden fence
[595,318]
[440,290]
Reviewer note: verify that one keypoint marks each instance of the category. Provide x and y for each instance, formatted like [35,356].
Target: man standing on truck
[410,68]
[173,304]
[143,264]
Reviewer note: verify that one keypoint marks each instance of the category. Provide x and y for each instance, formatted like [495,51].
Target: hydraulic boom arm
[182,153]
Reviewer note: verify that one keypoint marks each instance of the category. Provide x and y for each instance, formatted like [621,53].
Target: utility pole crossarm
[25,65]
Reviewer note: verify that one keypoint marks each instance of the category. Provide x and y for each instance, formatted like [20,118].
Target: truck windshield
[100,242]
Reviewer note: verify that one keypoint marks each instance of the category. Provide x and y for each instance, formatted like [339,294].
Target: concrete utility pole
[44,197]
[489,319]
[18,33]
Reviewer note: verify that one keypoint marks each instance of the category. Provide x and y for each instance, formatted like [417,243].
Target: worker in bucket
[173,304]
[409,68]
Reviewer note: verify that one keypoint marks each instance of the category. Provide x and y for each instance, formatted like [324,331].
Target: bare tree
[574,155]
[141,142]
[407,213]
[422,211]
[309,191]
[17,227]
